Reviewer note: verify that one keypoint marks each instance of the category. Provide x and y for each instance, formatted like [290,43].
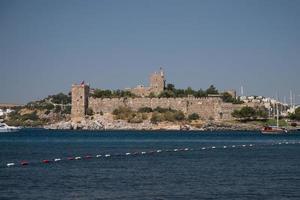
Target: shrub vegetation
[249,113]
[171,92]
[193,116]
[158,114]
[98,93]
[296,115]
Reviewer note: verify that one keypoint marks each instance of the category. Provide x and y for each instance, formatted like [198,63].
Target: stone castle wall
[207,108]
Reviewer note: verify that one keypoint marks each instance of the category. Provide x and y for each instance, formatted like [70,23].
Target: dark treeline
[171,91]
[98,93]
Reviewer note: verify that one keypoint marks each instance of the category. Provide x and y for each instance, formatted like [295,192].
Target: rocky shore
[106,122]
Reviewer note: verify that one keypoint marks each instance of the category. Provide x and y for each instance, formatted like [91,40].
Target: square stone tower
[157,82]
[80,101]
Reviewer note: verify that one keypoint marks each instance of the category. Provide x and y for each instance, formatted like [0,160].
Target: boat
[274,129]
[5,128]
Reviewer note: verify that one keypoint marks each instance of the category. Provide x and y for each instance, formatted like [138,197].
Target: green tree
[212,90]
[170,87]
[200,93]
[145,110]
[152,95]
[226,97]
[189,91]
[262,113]
[167,94]
[193,116]
[296,115]
[57,109]
[60,98]
[156,117]
[179,115]
[247,113]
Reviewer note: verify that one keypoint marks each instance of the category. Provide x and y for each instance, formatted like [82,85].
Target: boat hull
[270,130]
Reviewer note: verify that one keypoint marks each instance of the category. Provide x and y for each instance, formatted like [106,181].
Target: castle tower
[80,95]
[157,82]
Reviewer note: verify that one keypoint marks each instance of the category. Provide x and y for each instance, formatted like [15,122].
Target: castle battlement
[156,86]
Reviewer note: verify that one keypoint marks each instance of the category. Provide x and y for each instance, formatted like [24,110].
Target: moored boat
[5,128]
[273,130]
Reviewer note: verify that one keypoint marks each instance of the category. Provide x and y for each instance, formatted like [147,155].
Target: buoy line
[150,152]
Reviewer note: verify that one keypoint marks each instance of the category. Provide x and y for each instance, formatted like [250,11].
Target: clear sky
[46,45]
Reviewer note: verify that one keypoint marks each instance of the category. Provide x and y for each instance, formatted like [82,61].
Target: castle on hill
[211,107]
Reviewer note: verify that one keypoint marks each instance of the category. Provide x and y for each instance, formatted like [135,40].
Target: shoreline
[121,125]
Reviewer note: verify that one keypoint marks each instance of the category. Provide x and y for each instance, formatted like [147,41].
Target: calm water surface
[264,171]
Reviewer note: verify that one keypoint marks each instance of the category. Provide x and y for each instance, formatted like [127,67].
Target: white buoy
[225,147]
[10,164]
[97,156]
[250,145]
[127,154]
[243,145]
[77,158]
[107,155]
[175,149]
[203,148]
[186,149]
[279,143]
[233,146]
[213,147]
[57,159]
[158,151]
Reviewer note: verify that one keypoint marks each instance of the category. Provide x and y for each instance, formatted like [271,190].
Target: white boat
[5,128]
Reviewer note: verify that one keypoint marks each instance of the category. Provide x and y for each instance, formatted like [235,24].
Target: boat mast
[277,110]
[277,114]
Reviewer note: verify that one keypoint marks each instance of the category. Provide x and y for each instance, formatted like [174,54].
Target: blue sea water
[266,170]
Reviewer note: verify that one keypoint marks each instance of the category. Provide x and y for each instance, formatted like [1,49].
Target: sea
[138,165]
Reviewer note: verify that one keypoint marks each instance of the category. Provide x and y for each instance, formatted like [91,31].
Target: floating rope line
[151,152]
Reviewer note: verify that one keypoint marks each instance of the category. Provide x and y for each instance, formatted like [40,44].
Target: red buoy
[46,161]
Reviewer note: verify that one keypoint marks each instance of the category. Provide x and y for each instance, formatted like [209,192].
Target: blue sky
[47,45]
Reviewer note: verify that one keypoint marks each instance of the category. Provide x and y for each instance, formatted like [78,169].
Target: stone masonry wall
[207,108]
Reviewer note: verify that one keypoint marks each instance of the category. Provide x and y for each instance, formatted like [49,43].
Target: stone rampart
[207,108]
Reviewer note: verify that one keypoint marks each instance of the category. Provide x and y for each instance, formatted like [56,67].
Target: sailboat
[274,129]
